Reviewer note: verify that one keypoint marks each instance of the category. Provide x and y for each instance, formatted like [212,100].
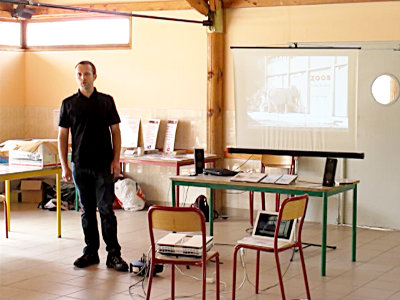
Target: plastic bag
[130,194]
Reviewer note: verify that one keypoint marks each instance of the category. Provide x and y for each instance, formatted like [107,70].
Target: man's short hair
[86,62]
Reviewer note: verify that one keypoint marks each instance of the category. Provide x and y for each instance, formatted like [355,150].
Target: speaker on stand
[199,160]
[329,172]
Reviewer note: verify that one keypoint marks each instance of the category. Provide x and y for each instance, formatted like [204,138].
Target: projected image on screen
[301,91]
[303,99]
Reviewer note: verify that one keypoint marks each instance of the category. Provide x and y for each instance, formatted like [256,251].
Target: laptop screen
[266,223]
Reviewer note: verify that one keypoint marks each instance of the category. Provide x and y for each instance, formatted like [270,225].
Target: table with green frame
[298,188]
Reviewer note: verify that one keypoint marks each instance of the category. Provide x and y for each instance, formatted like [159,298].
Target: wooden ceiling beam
[213,5]
[120,7]
[267,3]
[200,5]
[6,9]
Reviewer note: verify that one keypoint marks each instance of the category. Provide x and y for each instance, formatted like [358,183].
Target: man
[96,143]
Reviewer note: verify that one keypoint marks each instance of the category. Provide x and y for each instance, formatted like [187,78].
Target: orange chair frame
[180,219]
[272,161]
[292,208]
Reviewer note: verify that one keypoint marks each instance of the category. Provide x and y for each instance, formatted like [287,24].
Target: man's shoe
[117,263]
[86,260]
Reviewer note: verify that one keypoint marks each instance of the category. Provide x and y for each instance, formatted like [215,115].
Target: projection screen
[301,99]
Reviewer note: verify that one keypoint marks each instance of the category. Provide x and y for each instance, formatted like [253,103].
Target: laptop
[264,231]
[219,172]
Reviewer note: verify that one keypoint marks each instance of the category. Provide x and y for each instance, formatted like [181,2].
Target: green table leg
[211,212]
[324,225]
[354,235]
[173,194]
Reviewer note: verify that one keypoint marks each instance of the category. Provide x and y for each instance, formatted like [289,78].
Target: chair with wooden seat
[272,161]
[179,219]
[293,208]
[3,199]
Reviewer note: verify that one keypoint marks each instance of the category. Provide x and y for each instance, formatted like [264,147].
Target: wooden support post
[215,67]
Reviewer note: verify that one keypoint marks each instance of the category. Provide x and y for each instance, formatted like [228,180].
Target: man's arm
[116,140]
[63,153]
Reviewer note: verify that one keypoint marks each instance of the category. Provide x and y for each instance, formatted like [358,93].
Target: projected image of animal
[283,100]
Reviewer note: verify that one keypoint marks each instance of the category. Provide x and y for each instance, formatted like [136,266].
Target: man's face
[85,77]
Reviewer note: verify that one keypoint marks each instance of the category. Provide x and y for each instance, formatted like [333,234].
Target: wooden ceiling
[201,6]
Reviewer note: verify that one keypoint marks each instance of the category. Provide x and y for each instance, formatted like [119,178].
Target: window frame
[77,47]
[11,47]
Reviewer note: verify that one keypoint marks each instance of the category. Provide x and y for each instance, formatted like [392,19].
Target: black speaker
[199,160]
[329,173]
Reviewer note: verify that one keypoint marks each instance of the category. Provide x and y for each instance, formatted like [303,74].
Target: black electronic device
[142,267]
[329,173]
[219,172]
[199,160]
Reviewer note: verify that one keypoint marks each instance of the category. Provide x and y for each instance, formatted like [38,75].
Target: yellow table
[8,173]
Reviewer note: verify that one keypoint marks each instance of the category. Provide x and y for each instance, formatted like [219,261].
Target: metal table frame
[158,160]
[21,173]
[223,183]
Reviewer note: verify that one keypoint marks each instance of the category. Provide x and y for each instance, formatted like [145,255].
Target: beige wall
[12,94]
[164,74]
[278,26]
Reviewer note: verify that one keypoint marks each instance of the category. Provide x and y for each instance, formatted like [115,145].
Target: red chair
[291,209]
[3,199]
[272,161]
[179,219]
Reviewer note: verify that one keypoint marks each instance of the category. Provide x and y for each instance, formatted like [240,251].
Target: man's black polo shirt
[89,120]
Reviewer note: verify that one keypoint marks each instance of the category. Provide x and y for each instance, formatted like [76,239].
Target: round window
[385,89]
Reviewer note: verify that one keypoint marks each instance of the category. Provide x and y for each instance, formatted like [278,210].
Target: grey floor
[35,264]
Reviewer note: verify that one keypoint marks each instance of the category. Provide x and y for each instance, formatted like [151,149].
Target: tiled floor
[35,264]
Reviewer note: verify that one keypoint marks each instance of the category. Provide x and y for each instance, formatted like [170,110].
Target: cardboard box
[15,196]
[31,191]
[35,153]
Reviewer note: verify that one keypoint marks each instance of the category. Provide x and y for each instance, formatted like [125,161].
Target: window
[10,34]
[79,33]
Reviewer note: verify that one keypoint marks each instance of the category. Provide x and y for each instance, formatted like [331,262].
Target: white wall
[325,24]
[379,137]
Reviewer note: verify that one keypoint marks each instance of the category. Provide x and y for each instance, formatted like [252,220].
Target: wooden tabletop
[225,180]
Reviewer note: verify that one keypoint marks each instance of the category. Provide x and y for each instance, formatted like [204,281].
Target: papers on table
[170,132]
[264,178]
[248,177]
[150,134]
[129,131]
[279,179]
[272,178]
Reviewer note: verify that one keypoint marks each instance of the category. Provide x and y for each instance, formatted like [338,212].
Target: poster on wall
[129,131]
[170,133]
[150,134]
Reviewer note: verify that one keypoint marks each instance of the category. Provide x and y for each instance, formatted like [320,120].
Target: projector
[22,12]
